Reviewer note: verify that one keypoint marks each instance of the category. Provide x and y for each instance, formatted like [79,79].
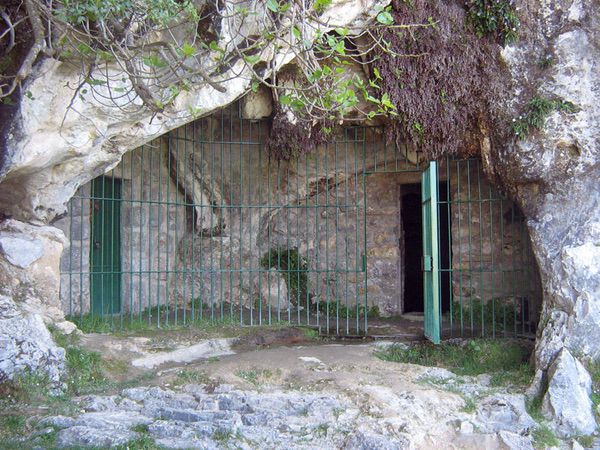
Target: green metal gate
[213,229]
[105,248]
[431,282]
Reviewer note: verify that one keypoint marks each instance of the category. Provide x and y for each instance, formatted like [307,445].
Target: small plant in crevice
[496,18]
[545,61]
[536,112]
[292,266]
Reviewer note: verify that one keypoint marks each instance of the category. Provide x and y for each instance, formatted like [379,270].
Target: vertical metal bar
[336,231]
[70,212]
[481,237]
[449,231]
[159,209]
[492,261]
[469,222]
[327,267]
[141,245]
[364,205]
[503,289]
[83,205]
[460,256]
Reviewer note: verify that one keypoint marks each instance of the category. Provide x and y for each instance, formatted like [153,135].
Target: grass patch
[544,437]
[585,441]
[466,357]
[187,376]
[144,442]
[222,436]
[311,334]
[519,377]
[255,377]
[470,405]
[12,425]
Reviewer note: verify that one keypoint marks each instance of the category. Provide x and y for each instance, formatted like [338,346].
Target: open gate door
[431,258]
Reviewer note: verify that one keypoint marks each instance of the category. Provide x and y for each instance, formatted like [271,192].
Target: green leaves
[385,18]
[496,18]
[188,50]
[277,7]
[320,5]
[154,61]
[251,59]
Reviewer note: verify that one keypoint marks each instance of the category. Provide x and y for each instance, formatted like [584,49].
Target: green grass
[544,437]
[311,334]
[470,405]
[521,376]
[144,442]
[255,377]
[468,358]
[222,436]
[188,376]
[585,441]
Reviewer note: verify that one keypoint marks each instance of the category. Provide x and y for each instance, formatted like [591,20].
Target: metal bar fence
[210,228]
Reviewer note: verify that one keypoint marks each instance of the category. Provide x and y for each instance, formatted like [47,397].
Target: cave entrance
[210,226]
[411,249]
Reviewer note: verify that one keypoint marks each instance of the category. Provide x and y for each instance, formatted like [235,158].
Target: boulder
[567,400]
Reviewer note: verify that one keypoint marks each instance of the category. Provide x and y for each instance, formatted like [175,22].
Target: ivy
[496,18]
[292,265]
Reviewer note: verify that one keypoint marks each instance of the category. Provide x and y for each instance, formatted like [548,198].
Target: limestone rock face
[29,268]
[26,344]
[567,400]
[554,172]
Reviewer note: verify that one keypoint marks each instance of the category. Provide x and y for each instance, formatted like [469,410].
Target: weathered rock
[361,440]
[257,105]
[30,268]
[98,438]
[513,441]
[21,250]
[26,345]
[504,413]
[115,420]
[567,399]
[203,350]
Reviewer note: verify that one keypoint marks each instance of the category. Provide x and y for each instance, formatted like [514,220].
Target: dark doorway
[412,223]
[412,242]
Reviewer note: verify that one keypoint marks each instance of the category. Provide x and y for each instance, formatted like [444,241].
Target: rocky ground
[325,395]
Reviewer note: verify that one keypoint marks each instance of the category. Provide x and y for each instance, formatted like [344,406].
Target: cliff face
[553,174]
